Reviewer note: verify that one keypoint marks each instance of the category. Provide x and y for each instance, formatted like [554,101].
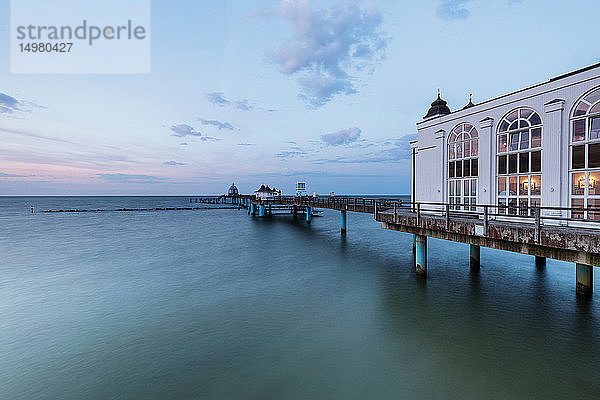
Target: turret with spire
[438,108]
[470,104]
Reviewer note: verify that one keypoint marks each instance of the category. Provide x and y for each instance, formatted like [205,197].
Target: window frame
[588,117]
[525,121]
[460,135]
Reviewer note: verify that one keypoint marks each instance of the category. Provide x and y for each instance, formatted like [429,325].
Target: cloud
[319,89]
[173,163]
[28,133]
[344,136]
[327,45]
[130,178]
[453,10]
[183,130]
[217,99]
[243,105]
[5,175]
[246,144]
[399,150]
[284,155]
[218,124]
[183,144]
[8,104]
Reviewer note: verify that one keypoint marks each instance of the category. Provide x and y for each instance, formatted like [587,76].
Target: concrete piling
[584,279]
[344,222]
[261,210]
[309,211]
[475,252]
[421,255]
[540,262]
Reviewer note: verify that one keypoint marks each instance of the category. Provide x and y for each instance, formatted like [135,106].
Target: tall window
[585,156]
[519,161]
[463,167]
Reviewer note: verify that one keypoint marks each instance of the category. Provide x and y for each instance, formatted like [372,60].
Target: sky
[275,92]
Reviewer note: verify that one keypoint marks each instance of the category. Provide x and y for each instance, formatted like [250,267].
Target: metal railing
[588,217]
[538,215]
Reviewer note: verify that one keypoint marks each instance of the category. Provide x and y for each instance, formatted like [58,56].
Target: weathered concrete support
[309,211]
[252,209]
[295,210]
[414,244]
[344,221]
[585,279]
[270,210]
[421,255]
[540,261]
[261,210]
[475,252]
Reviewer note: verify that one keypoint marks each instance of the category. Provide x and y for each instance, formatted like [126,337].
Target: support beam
[585,279]
[295,211]
[344,221]
[421,255]
[261,210]
[252,209]
[309,211]
[475,256]
[540,262]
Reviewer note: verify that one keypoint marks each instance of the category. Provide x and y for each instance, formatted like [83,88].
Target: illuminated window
[584,163]
[519,161]
[463,167]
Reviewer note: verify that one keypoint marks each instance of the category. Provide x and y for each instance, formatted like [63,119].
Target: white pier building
[538,146]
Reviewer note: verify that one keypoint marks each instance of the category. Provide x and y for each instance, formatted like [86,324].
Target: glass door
[462,194]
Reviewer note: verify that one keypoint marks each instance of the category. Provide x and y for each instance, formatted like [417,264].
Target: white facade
[537,146]
[266,193]
[264,196]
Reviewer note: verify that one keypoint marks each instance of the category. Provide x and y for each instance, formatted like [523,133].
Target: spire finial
[439,93]
[470,97]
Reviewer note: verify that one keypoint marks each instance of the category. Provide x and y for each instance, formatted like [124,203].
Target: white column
[440,137]
[554,175]
[487,162]
[414,171]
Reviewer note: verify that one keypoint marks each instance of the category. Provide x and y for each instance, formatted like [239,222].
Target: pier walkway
[567,234]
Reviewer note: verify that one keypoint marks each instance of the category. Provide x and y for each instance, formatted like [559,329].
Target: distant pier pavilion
[233,190]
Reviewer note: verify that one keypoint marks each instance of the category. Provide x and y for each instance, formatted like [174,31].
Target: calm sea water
[214,304]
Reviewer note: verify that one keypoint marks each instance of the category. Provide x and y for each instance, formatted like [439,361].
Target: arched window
[585,155]
[463,167]
[519,160]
